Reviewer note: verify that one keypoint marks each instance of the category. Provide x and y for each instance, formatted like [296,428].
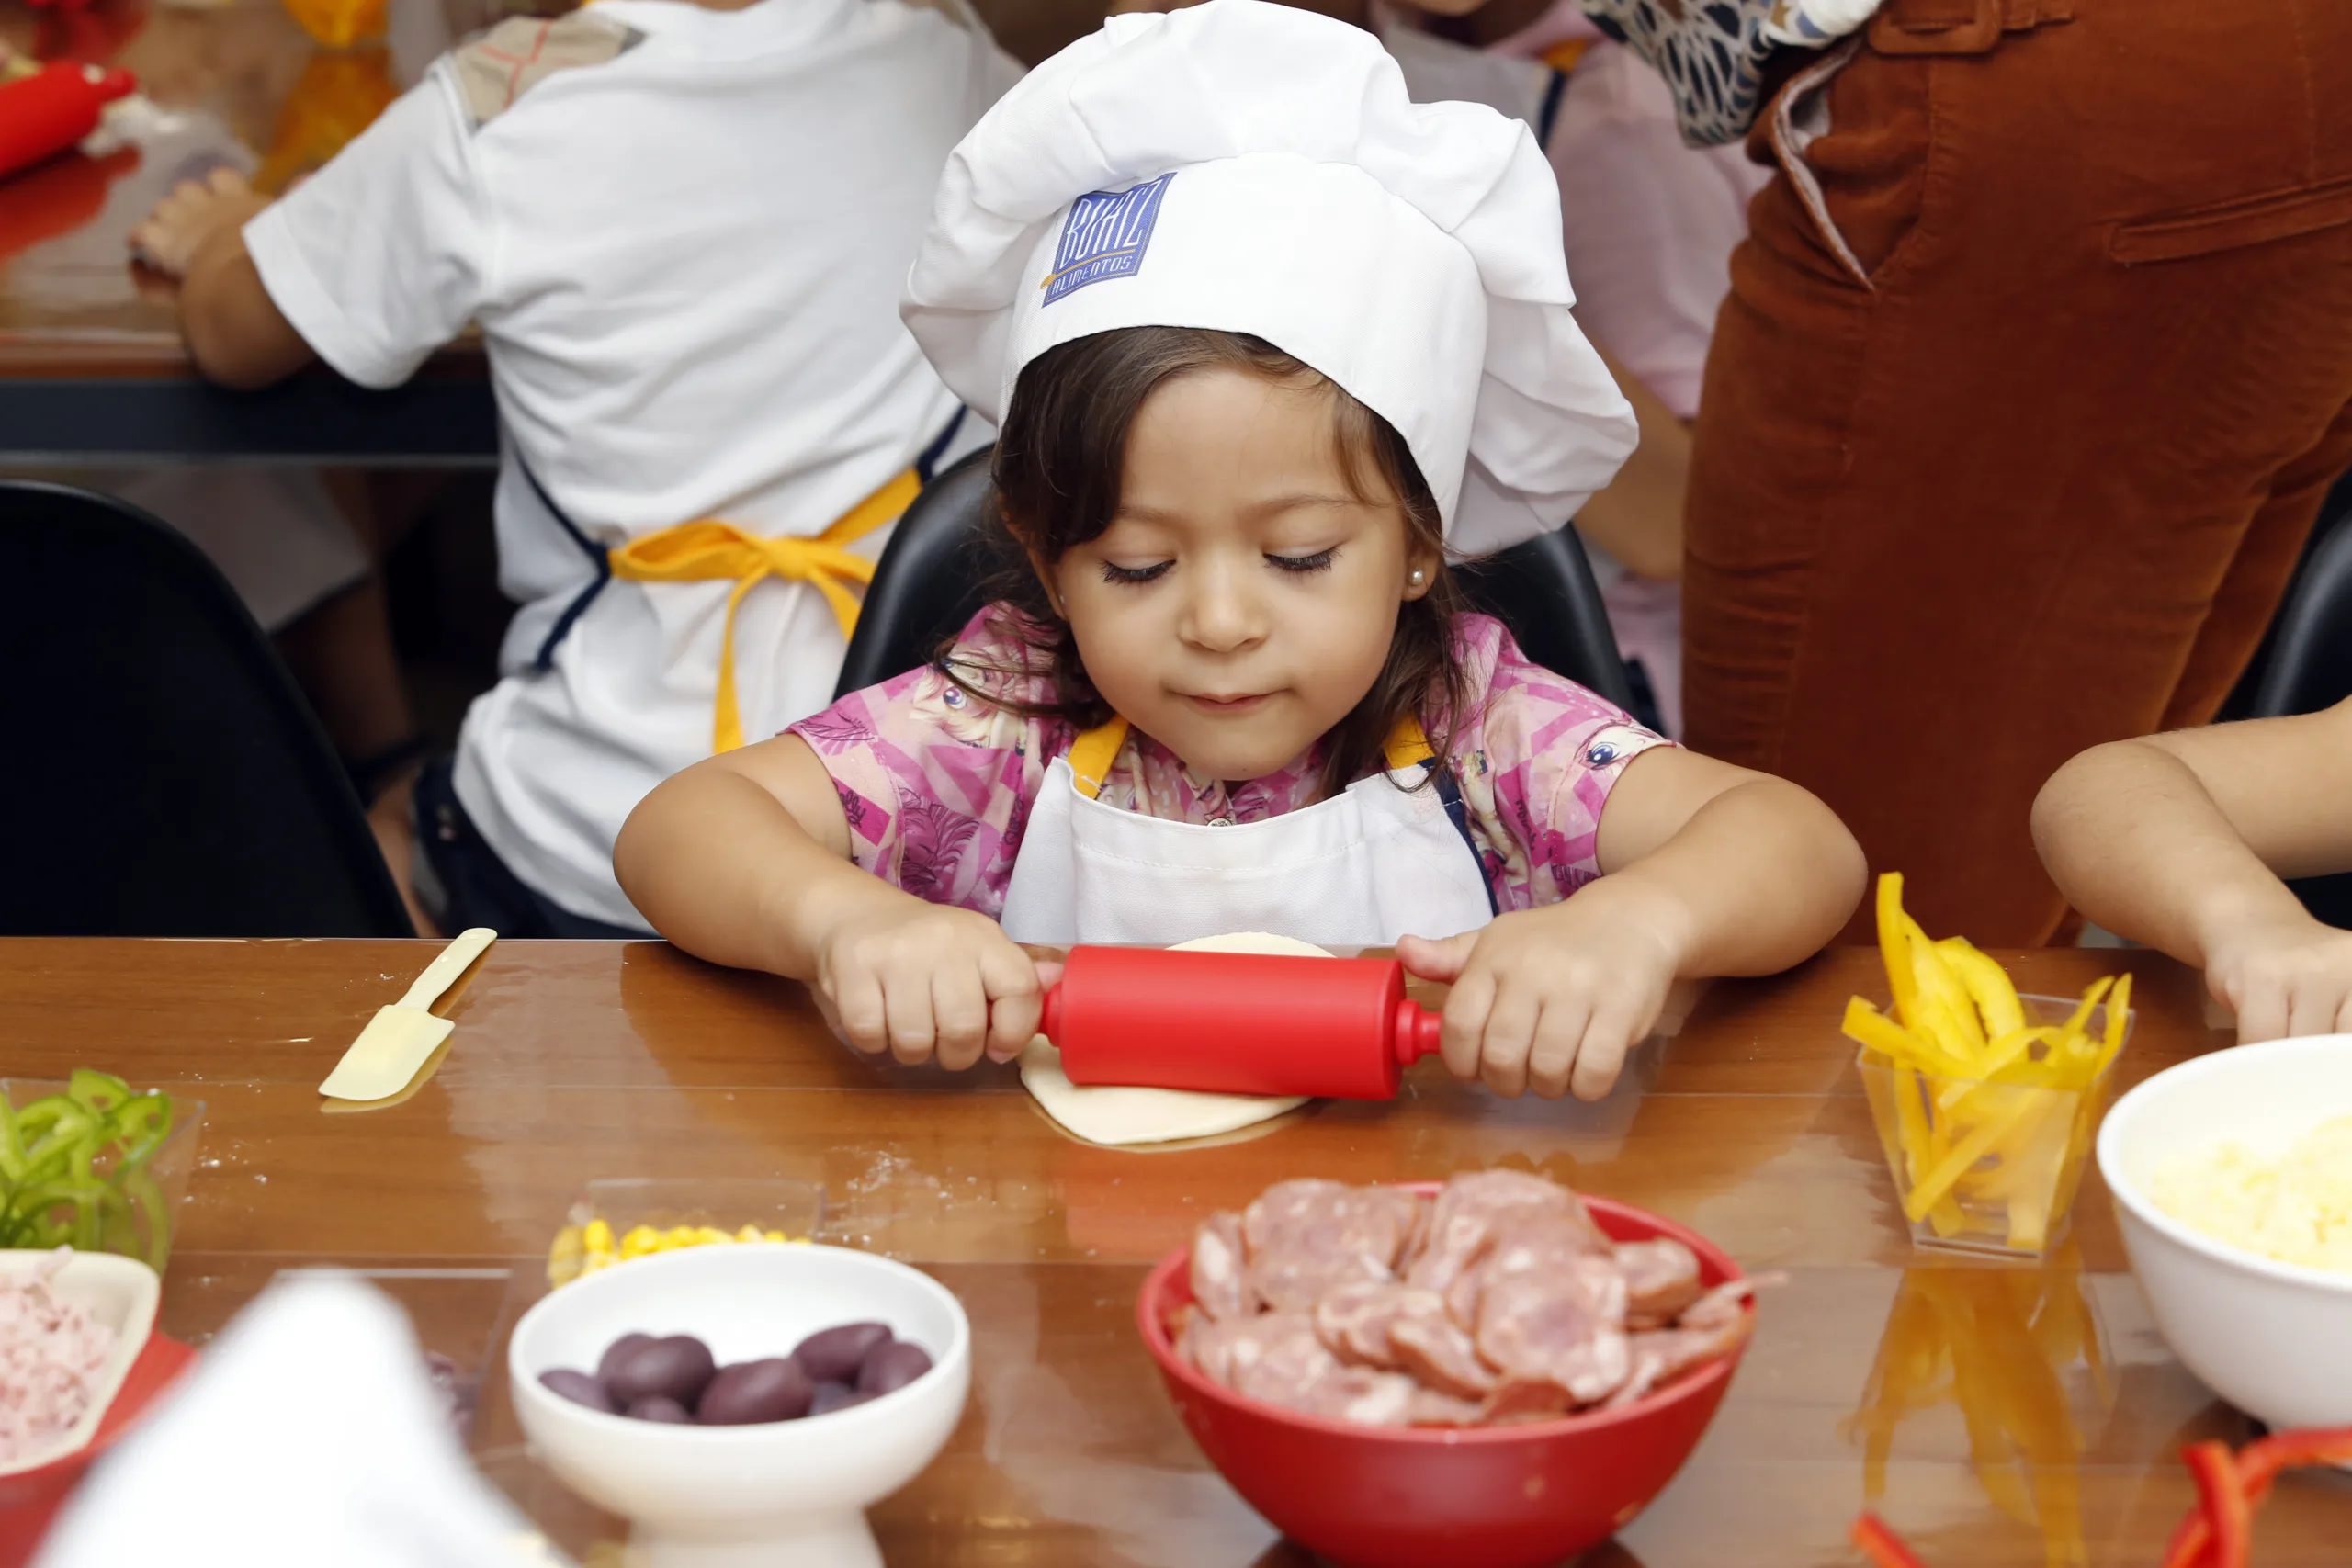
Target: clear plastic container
[461,1317]
[133,1211]
[1986,1166]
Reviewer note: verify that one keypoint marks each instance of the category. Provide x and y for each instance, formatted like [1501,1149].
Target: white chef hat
[1253,168]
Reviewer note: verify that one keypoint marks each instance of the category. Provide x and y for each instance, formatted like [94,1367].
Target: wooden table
[91,363]
[584,1060]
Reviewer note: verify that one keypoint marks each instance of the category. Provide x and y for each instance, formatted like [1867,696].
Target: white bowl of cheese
[2232,1182]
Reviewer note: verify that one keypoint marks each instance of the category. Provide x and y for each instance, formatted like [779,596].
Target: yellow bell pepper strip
[1865,1025]
[1894,951]
[1988,986]
[1998,1054]
[1882,1545]
[2074,1026]
[1950,1015]
[1964,1156]
[2119,1018]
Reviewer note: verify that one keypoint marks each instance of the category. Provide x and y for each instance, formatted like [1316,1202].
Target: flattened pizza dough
[1109,1114]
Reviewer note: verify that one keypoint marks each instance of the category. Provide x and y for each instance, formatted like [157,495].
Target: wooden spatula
[400,1037]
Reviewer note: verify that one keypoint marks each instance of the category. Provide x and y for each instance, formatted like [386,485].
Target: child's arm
[2179,840]
[744,860]
[1638,519]
[1708,870]
[234,332]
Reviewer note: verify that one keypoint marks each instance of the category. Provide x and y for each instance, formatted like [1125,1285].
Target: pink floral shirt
[937,785]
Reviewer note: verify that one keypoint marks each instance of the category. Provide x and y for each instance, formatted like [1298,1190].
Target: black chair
[169,779]
[931,578]
[2305,661]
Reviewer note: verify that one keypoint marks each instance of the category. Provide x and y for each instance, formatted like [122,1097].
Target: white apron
[1361,869]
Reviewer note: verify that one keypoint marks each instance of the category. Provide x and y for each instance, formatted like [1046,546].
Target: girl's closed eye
[1113,572]
[1320,561]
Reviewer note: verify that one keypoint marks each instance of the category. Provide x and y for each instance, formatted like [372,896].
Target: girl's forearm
[2139,846]
[1758,879]
[721,868]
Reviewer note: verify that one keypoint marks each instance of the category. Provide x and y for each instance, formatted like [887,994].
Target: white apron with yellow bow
[1361,869]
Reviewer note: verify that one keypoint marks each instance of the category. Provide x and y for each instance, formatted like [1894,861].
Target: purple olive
[678,1367]
[833,1354]
[662,1408]
[892,1367]
[832,1396]
[579,1388]
[620,1350]
[750,1392]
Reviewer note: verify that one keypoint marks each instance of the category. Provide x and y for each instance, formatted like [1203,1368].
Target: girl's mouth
[1225,703]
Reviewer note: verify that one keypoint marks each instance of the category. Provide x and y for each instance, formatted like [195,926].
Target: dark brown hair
[1058,469]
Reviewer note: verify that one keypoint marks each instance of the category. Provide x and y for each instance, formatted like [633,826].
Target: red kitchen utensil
[49,111]
[1523,1496]
[1237,1022]
[29,1501]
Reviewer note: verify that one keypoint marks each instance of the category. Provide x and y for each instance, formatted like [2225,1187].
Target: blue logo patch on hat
[1105,237]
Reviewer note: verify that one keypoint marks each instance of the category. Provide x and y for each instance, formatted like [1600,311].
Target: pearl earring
[1419,575]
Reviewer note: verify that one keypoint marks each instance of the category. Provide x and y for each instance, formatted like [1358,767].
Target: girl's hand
[923,980]
[2284,976]
[1553,999]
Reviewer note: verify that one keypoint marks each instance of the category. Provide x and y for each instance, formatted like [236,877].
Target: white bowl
[2275,1339]
[120,1293]
[781,1495]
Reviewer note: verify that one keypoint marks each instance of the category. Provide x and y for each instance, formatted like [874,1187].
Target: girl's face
[1243,600]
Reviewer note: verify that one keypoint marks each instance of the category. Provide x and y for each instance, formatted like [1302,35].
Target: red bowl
[29,1500]
[1517,1497]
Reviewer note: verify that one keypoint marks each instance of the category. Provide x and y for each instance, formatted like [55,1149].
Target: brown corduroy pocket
[2249,221]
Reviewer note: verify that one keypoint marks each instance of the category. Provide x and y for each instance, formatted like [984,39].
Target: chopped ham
[51,1353]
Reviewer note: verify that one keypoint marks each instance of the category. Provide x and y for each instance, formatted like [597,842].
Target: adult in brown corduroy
[2035,368]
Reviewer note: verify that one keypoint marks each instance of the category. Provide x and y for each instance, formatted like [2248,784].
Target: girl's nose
[1221,613]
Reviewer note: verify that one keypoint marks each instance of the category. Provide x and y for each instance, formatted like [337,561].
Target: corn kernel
[596,1237]
[640,1240]
[778,1236]
[711,1235]
[596,1260]
[750,1232]
[677,1237]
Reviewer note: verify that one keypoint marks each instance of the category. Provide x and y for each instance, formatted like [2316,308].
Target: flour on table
[1104,1113]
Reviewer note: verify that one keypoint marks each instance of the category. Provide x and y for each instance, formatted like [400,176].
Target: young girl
[2179,840]
[1274,340]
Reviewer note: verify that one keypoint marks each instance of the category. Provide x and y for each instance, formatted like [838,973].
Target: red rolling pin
[1237,1022]
[49,111]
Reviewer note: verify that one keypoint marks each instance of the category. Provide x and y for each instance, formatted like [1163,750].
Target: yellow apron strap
[1407,745]
[707,550]
[1091,754]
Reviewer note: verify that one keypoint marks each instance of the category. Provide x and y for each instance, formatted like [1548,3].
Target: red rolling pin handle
[52,109]
[1237,1022]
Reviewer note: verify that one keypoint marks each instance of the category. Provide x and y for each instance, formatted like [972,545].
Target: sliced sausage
[1560,1326]
[1661,1278]
[1219,1271]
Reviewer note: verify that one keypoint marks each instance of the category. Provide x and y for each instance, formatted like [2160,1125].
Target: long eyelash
[1133,573]
[1320,561]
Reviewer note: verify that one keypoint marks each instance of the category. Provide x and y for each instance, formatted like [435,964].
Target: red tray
[29,1501]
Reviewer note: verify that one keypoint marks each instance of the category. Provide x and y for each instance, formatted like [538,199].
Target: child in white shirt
[681,229]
